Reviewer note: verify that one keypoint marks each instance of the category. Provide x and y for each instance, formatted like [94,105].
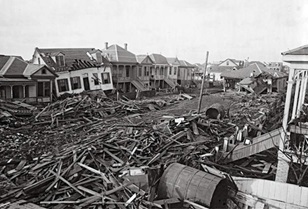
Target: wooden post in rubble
[202,85]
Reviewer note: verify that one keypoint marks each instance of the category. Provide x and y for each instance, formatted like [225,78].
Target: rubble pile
[85,152]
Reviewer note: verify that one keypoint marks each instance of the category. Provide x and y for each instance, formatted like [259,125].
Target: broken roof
[71,55]
[302,50]
[115,53]
[254,69]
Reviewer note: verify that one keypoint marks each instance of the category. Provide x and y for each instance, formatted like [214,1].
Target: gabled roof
[159,59]
[232,60]
[70,55]
[142,58]
[173,61]
[186,64]
[17,68]
[254,69]
[13,67]
[257,62]
[115,53]
[303,50]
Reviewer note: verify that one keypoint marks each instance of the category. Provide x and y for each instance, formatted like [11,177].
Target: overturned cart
[210,189]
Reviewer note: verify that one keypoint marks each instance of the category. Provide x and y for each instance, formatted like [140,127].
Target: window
[60,60]
[140,72]
[75,82]
[170,71]
[161,71]
[39,60]
[127,71]
[174,71]
[43,89]
[44,71]
[95,78]
[106,78]
[63,84]
[147,73]
[227,62]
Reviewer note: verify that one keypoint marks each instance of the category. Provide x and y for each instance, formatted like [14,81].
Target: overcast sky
[258,29]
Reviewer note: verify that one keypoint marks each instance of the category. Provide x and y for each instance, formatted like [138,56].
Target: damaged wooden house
[256,78]
[78,69]
[22,81]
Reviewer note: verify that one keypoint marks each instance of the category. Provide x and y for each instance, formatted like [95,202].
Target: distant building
[275,66]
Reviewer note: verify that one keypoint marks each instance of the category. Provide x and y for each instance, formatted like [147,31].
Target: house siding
[79,73]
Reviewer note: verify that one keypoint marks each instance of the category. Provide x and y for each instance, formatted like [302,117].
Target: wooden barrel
[184,182]
[215,111]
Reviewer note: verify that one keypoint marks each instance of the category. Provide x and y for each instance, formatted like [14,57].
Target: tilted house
[78,69]
[26,82]
[275,80]
[124,68]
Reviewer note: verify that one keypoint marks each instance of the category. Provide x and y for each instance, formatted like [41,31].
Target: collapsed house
[255,78]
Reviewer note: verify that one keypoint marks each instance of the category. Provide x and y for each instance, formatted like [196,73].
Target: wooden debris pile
[116,160]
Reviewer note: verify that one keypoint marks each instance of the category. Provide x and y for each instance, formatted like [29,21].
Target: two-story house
[20,80]
[159,75]
[144,68]
[174,64]
[185,73]
[124,68]
[214,71]
[78,69]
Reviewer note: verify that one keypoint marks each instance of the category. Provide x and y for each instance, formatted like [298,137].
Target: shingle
[115,53]
[159,59]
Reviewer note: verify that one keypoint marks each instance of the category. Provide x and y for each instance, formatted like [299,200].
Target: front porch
[25,90]
[293,145]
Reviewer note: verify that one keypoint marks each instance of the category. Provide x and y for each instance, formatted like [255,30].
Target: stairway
[138,85]
[259,144]
[170,82]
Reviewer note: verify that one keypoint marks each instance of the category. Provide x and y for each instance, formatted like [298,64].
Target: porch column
[11,91]
[24,91]
[283,164]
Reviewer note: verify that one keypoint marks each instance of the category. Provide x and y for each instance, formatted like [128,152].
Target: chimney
[125,46]
[106,45]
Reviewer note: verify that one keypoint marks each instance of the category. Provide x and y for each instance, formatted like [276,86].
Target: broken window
[60,60]
[106,78]
[75,82]
[63,84]
[96,79]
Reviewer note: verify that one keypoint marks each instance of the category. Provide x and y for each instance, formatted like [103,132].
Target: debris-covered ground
[85,152]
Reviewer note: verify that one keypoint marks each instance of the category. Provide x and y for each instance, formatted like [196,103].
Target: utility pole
[202,85]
